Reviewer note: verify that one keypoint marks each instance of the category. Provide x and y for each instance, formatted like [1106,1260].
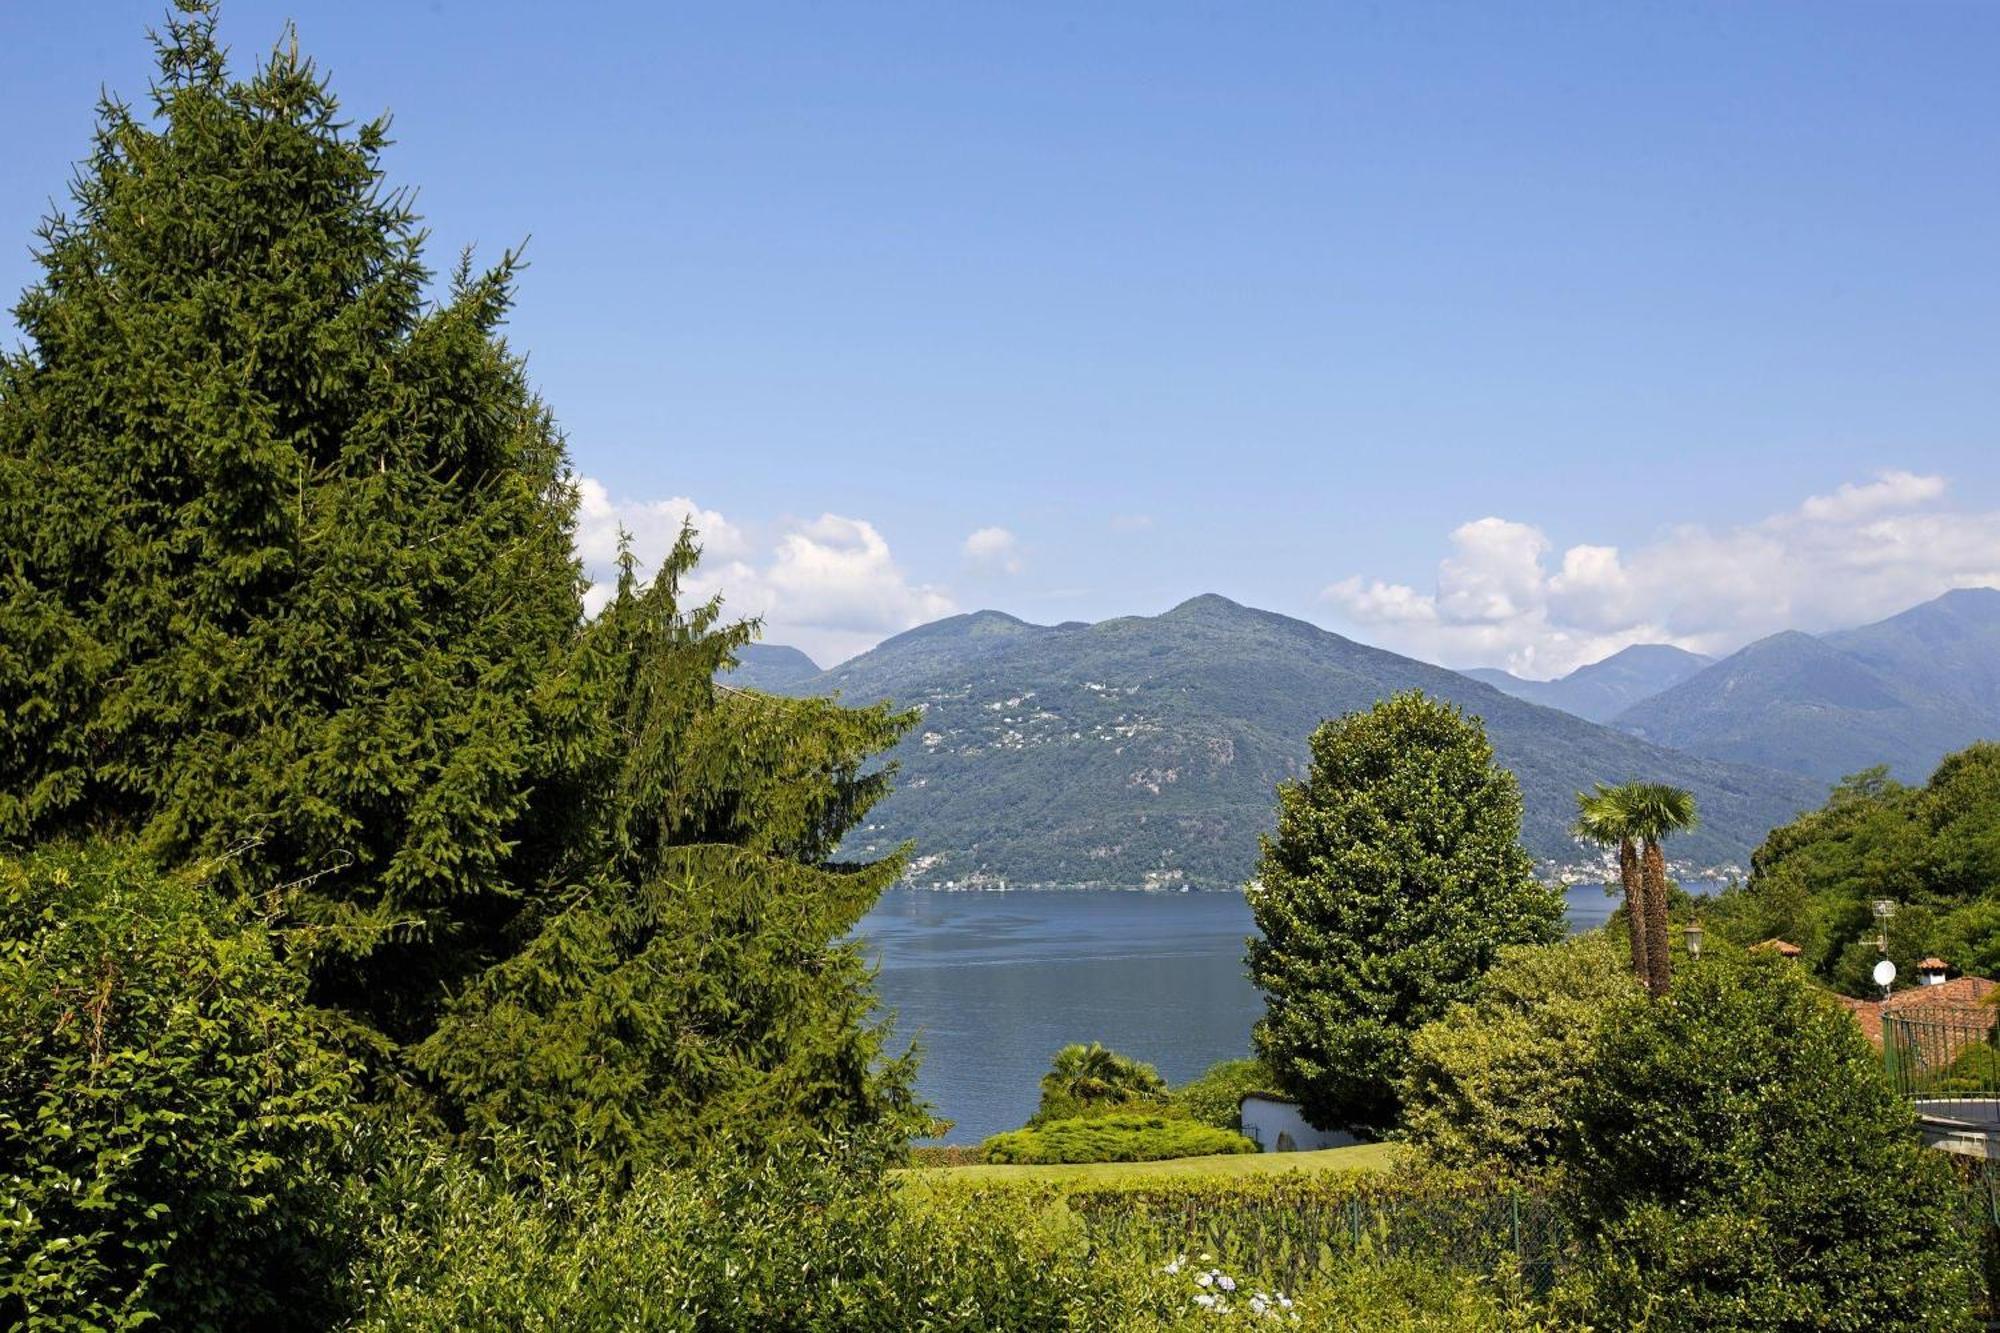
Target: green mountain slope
[1905,692]
[1602,690]
[1146,750]
[770,667]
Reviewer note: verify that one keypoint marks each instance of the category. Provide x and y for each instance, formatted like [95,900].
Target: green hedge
[170,1110]
[1216,1098]
[1114,1138]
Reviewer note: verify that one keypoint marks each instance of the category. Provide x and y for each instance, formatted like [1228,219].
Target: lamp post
[1693,936]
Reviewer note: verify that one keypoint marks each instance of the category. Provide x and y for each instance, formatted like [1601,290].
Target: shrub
[1740,1162]
[1089,1079]
[1394,878]
[1494,1083]
[168,1110]
[1114,1138]
[798,1242]
[1216,1098]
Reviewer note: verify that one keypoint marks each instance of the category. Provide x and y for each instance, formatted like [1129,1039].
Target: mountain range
[1601,691]
[770,667]
[1904,692]
[1145,750]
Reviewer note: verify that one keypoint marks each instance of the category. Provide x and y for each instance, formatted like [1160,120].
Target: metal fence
[1939,1052]
[1291,1238]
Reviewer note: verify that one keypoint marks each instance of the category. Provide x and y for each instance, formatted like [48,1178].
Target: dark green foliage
[1933,850]
[284,549]
[286,586]
[169,1109]
[1088,1079]
[1740,1163]
[684,984]
[1115,1137]
[1394,879]
[1143,750]
[1216,1098]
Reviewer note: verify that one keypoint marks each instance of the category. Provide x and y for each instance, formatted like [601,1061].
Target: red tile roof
[1784,947]
[1958,994]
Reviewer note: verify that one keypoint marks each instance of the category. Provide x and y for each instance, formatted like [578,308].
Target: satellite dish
[1885,972]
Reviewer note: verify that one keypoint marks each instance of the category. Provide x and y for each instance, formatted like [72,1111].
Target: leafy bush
[168,1109]
[1114,1138]
[801,1242]
[1740,1162]
[812,1242]
[1089,1079]
[1493,1083]
[1216,1097]
[1394,878]
[1934,849]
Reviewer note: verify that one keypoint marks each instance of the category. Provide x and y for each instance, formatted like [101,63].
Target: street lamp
[1693,936]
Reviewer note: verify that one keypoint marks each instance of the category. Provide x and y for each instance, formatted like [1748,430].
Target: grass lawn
[1362,1157]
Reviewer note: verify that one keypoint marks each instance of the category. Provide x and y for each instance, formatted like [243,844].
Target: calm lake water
[992,984]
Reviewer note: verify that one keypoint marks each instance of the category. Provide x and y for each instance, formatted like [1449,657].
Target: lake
[992,984]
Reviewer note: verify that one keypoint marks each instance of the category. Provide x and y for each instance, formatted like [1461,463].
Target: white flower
[1205,1301]
[1226,1282]
[1203,1279]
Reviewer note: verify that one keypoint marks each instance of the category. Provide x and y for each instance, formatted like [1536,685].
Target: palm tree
[1654,811]
[1083,1076]
[1600,818]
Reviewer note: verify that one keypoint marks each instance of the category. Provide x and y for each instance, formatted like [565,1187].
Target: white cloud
[1867,550]
[828,586]
[652,525]
[994,549]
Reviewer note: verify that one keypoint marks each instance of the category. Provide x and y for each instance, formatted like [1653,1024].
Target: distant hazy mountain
[770,667]
[1147,749]
[1905,692]
[1604,689]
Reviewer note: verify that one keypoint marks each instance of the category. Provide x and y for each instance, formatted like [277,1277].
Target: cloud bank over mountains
[828,585]
[1505,597]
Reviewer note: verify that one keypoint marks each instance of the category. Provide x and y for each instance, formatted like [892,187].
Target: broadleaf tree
[1394,878]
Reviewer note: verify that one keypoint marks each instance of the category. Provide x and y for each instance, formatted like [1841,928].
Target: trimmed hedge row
[1114,1138]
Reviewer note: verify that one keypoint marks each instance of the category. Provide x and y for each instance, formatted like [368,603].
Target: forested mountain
[769,666]
[1904,692]
[1146,749]
[1602,690]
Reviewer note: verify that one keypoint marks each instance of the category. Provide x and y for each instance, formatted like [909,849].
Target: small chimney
[1931,971]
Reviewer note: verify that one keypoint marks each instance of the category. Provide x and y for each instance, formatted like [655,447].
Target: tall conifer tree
[287,583]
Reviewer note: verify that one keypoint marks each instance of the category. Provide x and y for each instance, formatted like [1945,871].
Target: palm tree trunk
[1635,910]
[1654,878]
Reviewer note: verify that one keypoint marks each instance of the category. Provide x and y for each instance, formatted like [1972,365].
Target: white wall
[1265,1118]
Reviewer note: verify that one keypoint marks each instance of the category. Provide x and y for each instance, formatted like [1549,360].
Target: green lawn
[1362,1157]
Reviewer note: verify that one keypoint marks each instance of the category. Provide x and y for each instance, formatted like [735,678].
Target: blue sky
[1494,333]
